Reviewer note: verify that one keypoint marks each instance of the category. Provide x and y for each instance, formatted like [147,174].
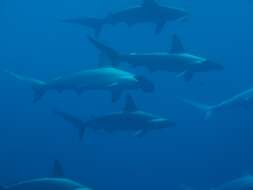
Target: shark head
[211,65]
[145,84]
[161,123]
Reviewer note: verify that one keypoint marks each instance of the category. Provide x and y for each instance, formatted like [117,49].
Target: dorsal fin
[130,105]
[58,169]
[177,46]
[149,3]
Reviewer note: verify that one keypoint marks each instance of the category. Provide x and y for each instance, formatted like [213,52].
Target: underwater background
[200,154]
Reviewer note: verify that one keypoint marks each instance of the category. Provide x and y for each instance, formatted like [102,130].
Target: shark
[108,79]
[242,183]
[149,11]
[46,183]
[242,100]
[131,119]
[57,181]
[176,60]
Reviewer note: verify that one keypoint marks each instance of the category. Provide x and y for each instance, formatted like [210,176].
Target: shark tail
[96,24]
[58,171]
[39,87]
[73,120]
[208,110]
[111,54]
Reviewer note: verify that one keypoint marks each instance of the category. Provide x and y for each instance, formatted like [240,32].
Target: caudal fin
[208,110]
[113,55]
[58,171]
[96,24]
[73,120]
[38,86]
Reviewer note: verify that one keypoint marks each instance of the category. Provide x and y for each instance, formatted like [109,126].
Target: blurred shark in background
[241,100]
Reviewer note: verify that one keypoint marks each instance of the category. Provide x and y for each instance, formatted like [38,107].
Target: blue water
[198,153]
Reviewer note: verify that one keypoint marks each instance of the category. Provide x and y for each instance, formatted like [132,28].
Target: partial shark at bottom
[47,184]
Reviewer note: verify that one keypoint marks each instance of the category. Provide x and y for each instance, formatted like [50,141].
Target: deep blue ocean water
[198,153]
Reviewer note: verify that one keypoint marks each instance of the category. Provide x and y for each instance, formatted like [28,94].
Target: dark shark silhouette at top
[148,12]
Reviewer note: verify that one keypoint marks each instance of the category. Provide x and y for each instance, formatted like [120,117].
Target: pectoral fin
[141,133]
[159,27]
[181,74]
[114,84]
[187,75]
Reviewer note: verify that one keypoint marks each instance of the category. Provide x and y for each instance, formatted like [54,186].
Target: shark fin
[187,75]
[208,110]
[114,84]
[141,133]
[75,121]
[177,46]
[58,169]
[104,61]
[38,86]
[116,94]
[159,26]
[149,3]
[107,51]
[130,105]
[95,24]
